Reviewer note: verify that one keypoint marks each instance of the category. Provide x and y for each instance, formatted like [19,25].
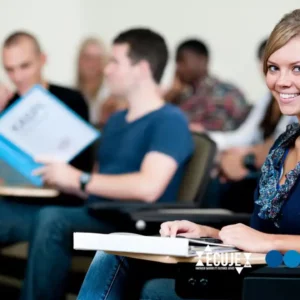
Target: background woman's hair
[272,114]
[84,44]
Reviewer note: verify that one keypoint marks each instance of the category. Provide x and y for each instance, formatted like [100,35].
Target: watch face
[250,158]
[249,161]
[85,177]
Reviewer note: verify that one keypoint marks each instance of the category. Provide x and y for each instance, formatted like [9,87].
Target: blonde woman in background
[92,59]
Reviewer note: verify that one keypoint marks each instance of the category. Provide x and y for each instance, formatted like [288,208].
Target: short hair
[196,46]
[17,36]
[261,49]
[145,44]
[286,29]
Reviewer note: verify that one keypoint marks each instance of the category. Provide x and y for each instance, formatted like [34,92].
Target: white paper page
[40,125]
[131,243]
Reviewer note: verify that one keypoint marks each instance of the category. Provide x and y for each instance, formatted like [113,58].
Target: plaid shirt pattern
[215,105]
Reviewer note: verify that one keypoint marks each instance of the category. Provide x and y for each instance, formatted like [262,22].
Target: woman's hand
[246,238]
[186,229]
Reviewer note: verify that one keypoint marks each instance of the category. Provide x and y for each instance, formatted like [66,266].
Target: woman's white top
[96,104]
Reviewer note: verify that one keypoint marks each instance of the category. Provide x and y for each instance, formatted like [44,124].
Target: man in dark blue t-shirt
[147,155]
[142,157]
[143,149]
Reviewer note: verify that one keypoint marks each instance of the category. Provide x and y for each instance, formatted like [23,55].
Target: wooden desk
[255,258]
[23,191]
[13,184]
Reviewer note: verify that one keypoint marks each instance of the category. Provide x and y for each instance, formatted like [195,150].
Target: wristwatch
[249,162]
[84,180]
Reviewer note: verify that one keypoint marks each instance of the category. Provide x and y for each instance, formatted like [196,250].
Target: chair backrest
[197,172]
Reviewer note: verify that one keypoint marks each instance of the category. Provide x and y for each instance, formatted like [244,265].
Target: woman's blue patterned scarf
[271,195]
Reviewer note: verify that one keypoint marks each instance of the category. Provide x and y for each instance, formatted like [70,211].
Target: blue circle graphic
[274,258]
[291,259]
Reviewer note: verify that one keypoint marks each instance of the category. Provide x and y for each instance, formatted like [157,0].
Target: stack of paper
[134,243]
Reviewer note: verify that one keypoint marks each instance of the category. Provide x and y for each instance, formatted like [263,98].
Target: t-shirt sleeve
[171,136]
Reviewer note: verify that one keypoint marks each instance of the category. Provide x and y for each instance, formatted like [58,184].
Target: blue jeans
[113,277]
[49,231]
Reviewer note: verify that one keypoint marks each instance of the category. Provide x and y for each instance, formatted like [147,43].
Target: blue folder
[24,164]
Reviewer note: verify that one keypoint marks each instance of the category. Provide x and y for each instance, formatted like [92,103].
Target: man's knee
[106,261]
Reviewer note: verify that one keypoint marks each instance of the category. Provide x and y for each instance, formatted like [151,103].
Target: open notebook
[135,243]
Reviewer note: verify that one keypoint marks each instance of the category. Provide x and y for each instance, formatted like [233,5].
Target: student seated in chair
[275,222]
[142,157]
[24,60]
[207,101]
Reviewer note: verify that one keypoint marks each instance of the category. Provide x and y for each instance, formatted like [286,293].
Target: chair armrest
[134,206]
[209,217]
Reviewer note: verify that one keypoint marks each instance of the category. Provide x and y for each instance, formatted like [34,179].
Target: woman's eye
[297,69]
[272,68]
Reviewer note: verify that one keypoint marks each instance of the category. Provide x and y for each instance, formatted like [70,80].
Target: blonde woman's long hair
[286,29]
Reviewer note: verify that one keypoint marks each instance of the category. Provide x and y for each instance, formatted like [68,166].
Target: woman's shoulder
[288,137]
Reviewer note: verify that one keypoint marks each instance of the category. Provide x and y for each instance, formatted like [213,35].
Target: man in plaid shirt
[207,102]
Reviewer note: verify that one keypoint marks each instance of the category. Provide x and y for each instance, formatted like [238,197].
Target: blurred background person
[92,59]
[209,103]
[24,61]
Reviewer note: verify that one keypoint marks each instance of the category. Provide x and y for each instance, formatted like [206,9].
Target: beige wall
[231,28]
[58,25]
